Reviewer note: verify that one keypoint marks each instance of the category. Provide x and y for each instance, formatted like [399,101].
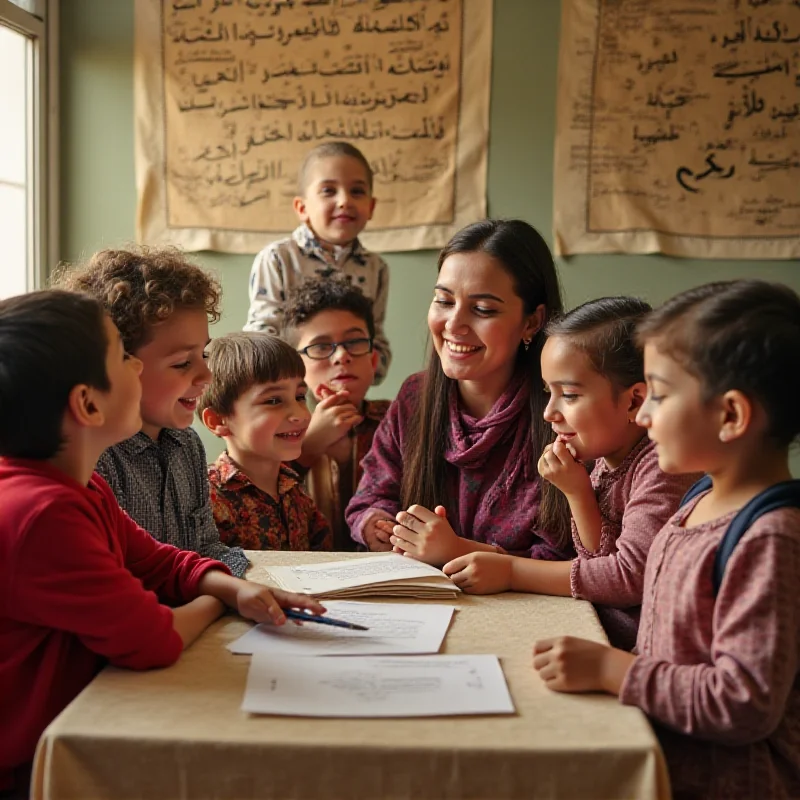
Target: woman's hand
[377,531]
[426,535]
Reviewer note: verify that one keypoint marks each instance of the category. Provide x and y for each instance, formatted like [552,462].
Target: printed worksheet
[394,629]
[364,686]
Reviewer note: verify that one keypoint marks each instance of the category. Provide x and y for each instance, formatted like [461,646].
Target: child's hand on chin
[559,466]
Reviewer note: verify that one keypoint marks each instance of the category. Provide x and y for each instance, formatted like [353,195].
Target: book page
[336,575]
[394,629]
[363,686]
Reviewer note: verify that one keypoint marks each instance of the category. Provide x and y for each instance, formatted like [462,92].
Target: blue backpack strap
[781,495]
[698,487]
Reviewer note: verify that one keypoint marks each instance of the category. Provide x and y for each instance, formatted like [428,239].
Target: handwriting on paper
[251,85]
[687,125]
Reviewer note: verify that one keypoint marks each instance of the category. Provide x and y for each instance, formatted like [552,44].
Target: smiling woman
[454,462]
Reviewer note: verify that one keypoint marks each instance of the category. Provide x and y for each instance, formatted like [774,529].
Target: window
[26,196]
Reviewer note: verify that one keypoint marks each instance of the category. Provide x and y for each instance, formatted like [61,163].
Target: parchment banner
[231,95]
[678,128]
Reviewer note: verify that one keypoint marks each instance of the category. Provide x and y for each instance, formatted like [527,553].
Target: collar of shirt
[229,473]
[603,471]
[141,441]
[311,247]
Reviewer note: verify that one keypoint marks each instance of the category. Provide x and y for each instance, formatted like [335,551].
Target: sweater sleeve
[267,292]
[66,577]
[739,696]
[379,312]
[379,487]
[616,578]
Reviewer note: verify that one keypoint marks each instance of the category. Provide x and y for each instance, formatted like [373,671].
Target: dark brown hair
[605,330]
[240,360]
[313,297]
[522,252]
[141,287]
[50,342]
[742,335]
[330,150]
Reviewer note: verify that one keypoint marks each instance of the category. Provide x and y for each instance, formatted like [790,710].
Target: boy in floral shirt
[257,404]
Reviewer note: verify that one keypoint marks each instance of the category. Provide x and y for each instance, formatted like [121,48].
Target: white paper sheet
[387,574]
[364,686]
[394,629]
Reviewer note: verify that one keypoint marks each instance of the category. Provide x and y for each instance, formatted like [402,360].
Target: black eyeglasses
[323,350]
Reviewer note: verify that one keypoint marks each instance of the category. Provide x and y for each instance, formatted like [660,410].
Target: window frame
[42,143]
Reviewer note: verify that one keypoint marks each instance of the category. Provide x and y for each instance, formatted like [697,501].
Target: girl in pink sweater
[594,374]
[717,672]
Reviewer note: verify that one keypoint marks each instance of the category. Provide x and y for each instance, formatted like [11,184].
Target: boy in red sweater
[82,585]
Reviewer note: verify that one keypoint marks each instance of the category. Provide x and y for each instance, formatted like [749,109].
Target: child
[257,404]
[334,204]
[717,675]
[595,375]
[80,583]
[162,305]
[330,324]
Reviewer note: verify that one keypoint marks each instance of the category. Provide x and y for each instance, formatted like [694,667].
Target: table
[180,732]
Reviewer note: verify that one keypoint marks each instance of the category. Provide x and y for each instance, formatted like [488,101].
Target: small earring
[527,343]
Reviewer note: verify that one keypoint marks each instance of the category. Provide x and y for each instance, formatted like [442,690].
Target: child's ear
[372,207]
[215,423]
[636,397]
[375,357]
[83,406]
[737,415]
[299,205]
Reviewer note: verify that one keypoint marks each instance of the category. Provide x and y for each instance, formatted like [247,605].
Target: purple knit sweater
[493,493]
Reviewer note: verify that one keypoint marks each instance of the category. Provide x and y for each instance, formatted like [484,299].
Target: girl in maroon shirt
[594,373]
[718,673]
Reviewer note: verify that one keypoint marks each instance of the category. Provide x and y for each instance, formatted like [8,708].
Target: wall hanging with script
[231,94]
[678,128]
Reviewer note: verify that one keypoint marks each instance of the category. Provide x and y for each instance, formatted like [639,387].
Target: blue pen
[337,623]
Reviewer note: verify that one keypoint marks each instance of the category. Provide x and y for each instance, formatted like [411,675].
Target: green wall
[98,197]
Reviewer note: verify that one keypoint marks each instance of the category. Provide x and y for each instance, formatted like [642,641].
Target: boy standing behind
[162,305]
[331,325]
[80,583]
[334,204]
[257,404]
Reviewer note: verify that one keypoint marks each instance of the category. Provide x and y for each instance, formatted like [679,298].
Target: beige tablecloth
[180,732]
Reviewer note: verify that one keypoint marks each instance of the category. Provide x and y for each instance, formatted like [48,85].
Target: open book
[389,575]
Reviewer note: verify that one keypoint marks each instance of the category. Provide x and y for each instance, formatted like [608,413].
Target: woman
[459,445]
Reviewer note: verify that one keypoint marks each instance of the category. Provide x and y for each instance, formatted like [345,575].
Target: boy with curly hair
[334,203]
[162,305]
[331,325]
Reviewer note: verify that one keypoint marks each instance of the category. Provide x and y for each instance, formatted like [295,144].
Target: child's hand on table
[481,573]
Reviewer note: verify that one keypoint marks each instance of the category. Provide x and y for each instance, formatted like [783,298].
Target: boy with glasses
[331,325]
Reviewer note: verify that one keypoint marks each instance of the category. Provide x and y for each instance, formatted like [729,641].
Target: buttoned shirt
[163,486]
[283,265]
[248,516]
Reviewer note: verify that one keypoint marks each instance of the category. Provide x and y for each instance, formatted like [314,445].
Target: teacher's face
[476,319]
